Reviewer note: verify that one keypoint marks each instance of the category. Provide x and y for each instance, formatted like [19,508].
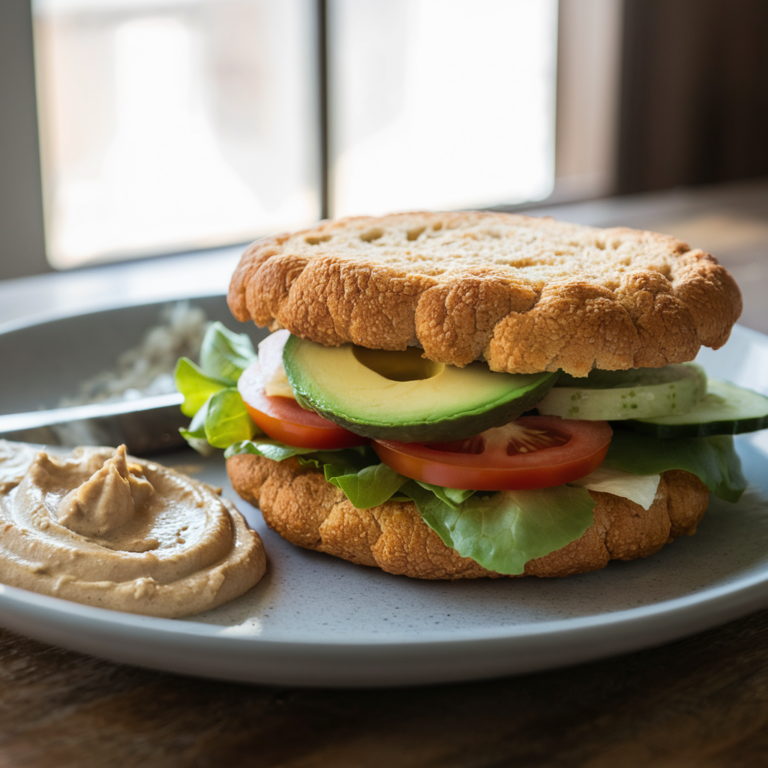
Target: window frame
[22,229]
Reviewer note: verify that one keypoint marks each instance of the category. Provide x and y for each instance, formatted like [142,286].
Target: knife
[146,425]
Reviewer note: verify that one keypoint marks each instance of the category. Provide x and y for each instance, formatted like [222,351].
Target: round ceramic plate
[316,620]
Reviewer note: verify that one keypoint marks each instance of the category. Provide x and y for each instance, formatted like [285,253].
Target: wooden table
[698,702]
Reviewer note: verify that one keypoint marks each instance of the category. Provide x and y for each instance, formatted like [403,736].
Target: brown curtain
[694,100]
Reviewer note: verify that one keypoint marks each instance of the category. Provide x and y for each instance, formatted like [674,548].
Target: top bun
[525,294]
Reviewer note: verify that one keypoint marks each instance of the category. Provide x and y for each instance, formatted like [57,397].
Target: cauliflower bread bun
[460,395]
[523,294]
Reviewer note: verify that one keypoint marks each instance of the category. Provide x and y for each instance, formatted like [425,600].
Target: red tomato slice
[283,419]
[531,452]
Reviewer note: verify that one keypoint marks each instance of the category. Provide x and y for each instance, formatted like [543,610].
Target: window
[172,125]
[441,103]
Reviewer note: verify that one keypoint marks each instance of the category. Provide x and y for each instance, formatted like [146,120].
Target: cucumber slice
[619,395]
[725,410]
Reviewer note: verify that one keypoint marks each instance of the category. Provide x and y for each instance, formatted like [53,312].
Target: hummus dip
[104,529]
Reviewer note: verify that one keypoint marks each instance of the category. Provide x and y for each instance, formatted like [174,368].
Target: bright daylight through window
[183,124]
[174,125]
[442,103]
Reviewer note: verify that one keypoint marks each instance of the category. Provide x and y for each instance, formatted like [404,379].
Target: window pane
[441,103]
[174,125]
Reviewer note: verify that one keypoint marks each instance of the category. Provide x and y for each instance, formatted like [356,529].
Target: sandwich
[464,395]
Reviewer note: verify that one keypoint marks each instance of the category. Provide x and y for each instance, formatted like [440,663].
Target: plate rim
[11,597]
[99,307]
[377,664]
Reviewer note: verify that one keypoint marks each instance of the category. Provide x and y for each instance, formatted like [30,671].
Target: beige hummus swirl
[103,529]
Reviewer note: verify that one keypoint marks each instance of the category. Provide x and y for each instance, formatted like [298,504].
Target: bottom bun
[304,509]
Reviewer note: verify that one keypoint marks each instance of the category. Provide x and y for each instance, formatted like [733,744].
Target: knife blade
[145,425]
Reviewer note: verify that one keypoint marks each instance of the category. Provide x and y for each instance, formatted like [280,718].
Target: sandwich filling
[500,466]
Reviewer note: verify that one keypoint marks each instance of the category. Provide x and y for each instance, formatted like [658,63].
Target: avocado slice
[402,396]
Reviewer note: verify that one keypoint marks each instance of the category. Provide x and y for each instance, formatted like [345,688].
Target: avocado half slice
[402,396]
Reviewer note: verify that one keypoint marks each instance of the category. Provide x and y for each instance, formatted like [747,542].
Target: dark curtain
[694,99]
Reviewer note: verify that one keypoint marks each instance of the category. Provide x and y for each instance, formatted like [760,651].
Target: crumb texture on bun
[307,511]
[525,294]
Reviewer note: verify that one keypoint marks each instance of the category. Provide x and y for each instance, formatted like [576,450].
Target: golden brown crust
[303,508]
[523,293]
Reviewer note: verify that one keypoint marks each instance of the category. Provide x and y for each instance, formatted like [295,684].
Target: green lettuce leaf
[227,420]
[357,471]
[195,435]
[196,429]
[712,459]
[268,448]
[348,460]
[369,487]
[503,531]
[224,355]
[453,497]
[352,459]
[195,385]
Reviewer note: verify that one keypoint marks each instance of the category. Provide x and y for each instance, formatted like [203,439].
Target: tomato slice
[531,452]
[283,419]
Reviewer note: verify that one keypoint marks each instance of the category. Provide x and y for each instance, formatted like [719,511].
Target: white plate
[316,620]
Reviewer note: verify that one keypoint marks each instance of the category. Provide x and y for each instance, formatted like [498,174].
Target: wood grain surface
[699,702]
